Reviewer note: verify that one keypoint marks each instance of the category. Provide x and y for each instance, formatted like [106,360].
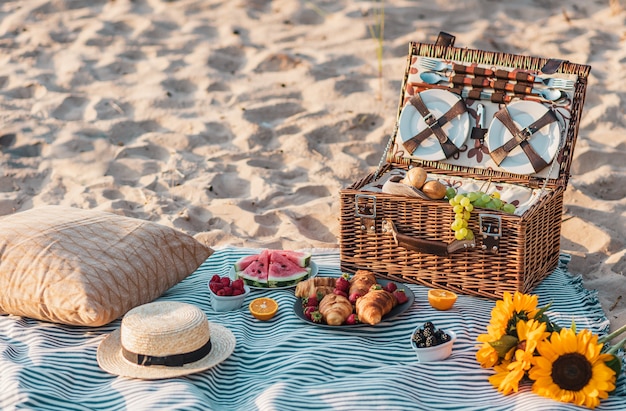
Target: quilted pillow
[88,267]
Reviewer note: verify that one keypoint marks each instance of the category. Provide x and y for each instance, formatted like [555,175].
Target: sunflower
[572,368]
[509,310]
[507,378]
[501,335]
[487,356]
[495,349]
[530,334]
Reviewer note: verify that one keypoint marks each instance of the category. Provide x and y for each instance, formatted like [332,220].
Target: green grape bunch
[464,203]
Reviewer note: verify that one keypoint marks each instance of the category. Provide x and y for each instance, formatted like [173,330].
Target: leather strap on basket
[434,126]
[552,66]
[445,39]
[423,245]
[520,138]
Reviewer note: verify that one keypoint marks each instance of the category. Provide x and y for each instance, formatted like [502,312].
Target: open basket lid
[488,115]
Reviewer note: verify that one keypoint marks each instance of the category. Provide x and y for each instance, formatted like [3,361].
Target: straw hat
[164,339]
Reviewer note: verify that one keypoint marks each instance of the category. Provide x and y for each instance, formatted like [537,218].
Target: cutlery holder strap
[514,75]
[434,126]
[498,96]
[421,245]
[462,80]
[471,69]
[515,88]
[520,138]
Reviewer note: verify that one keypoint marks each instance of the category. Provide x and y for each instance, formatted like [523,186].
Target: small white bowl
[436,353]
[228,303]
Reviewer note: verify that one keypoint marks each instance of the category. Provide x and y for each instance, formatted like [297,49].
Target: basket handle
[425,246]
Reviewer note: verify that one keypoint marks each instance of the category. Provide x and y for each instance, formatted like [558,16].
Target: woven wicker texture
[529,245]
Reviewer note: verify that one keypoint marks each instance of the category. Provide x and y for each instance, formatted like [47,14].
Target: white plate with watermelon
[274,269]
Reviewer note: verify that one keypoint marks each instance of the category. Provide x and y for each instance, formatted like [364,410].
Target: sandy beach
[240,121]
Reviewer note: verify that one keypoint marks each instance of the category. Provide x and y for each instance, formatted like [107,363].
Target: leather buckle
[430,120]
[365,210]
[526,132]
[490,231]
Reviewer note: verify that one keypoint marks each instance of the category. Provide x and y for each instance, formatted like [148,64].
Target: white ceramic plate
[314,271]
[438,102]
[545,141]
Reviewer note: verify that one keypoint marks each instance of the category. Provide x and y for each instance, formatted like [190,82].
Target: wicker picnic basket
[409,239]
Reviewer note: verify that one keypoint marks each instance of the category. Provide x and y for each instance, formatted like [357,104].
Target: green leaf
[504,344]
[542,311]
[542,317]
[616,365]
[550,326]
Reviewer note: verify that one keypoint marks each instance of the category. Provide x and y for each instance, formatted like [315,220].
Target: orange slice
[441,299]
[263,308]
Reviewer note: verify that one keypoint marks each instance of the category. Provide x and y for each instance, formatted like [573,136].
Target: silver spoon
[548,93]
[433,78]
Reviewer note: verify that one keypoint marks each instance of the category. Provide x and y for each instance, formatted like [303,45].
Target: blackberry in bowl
[431,343]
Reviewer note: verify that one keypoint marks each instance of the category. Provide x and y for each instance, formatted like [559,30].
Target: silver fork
[555,82]
[437,65]
[433,65]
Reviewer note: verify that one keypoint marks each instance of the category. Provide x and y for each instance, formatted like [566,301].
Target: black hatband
[176,360]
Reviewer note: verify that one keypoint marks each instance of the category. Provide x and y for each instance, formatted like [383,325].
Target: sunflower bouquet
[523,345]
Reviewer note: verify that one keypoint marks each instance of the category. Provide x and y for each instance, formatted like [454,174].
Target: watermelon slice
[274,268]
[255,274]
[301,258]
[244,262]
[284,272]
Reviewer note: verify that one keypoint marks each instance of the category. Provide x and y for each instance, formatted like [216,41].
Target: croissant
[308,287]
[335,309]
[361,282]
[374,305]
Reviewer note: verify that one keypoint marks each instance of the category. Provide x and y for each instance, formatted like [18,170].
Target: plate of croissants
[358,300]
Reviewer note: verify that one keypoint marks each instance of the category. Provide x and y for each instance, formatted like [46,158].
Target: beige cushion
[87,267]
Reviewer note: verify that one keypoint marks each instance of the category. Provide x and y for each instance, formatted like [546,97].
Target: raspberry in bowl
[227,294]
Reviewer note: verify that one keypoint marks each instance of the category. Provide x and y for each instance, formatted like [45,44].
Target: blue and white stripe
[285,363]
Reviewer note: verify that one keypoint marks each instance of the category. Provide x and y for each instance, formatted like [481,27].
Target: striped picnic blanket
[285,363]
